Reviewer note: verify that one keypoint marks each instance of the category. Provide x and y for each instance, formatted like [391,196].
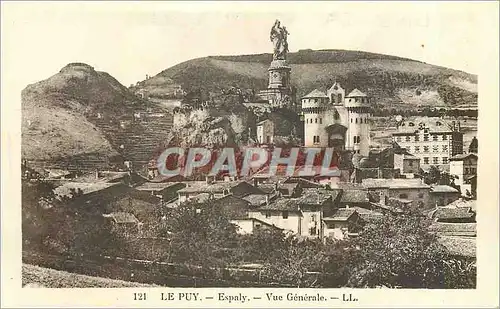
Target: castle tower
[358,133]
[316,110]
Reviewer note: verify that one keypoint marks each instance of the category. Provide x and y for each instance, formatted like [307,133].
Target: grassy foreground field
[40,277]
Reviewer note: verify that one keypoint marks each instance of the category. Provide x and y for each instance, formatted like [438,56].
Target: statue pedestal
[279,75]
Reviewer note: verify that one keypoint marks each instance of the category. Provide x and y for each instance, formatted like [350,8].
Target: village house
[344,222]
[413,191]
[265,132]
[464,168]
[407,164]
[301,216]
[124,223]
[442,195]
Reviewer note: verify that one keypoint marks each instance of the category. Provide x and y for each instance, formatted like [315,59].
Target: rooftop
[356,93]
[157,186]
[454,229]
[342,214]
[86,187]
[434,124]
[204,187]
[317,196]
[315,94]
[397,183]
[282,204]
[443,189]
[453,213]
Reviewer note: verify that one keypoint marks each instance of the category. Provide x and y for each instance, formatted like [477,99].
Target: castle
[336,120]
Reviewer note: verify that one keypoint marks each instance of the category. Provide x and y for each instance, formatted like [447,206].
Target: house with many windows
[433,140]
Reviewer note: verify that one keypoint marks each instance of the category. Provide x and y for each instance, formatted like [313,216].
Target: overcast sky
[130,40]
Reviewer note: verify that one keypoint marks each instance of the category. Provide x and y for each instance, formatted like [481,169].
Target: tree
[200,234]
[399,251]
[294,259]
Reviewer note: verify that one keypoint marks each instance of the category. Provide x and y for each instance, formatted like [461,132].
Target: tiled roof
[443,189]
[256,199]
[355,93]
[414,183]
[85,187]
[315,94]
[342,214]
[282,204]
[453,213]
[156,186]
[204,187]
[434,124]
[368,215]
[454,229]
[317,196]
[304,183]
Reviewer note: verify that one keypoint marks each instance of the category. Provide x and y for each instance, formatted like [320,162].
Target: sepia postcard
[250,154]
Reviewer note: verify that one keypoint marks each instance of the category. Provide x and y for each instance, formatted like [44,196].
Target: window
[472,170]
[426,160]
[445,160]
[435,148]
[354,138]
[434,137]
[426,148]
[316,139]
[417,148]
[351,120]
[426,137]
[467,170]
[268,214]
[420,195]
[320,121]
[445,137]
[445,147]
[398,139]
[403,195]
[407,139]
[312,231]
[315,120]
[417,138]
[285,214]
[359,139]
[435,160]
[356,120]
[339,98]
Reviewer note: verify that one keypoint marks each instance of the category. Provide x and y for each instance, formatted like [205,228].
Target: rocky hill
[59,113]
[390,80]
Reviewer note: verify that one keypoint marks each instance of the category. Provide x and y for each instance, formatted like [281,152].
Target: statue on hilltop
[279,36]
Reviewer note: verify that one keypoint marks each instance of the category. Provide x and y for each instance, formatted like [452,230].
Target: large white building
[432,139]
[336,120]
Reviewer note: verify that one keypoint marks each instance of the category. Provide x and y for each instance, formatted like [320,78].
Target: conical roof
[356,93]
[315,94]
